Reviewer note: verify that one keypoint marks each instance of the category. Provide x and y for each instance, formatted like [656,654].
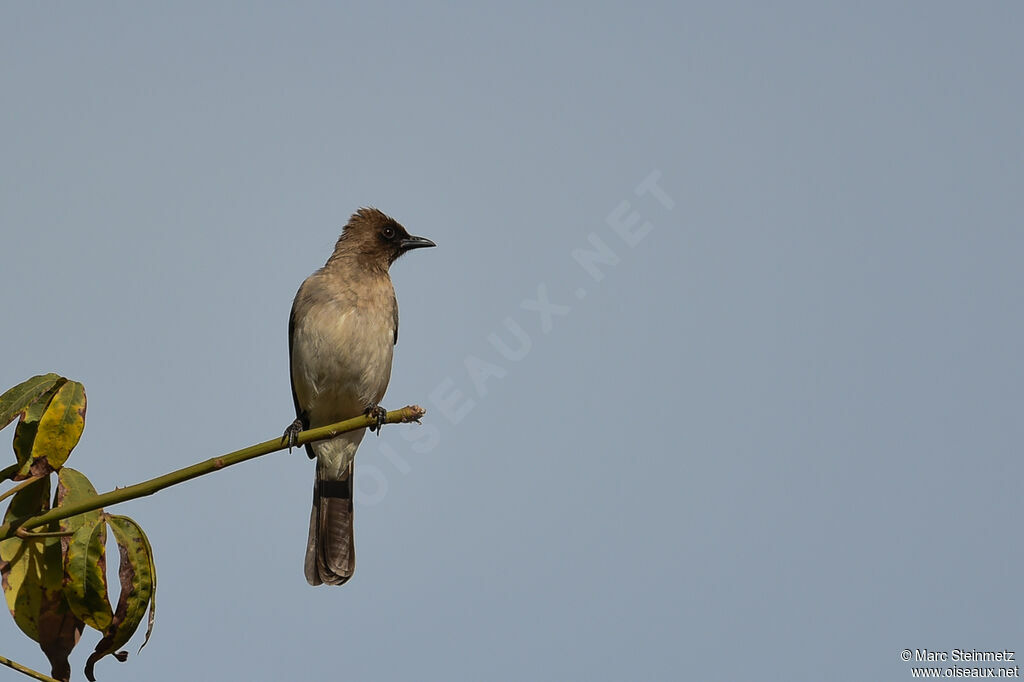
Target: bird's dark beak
[415,243]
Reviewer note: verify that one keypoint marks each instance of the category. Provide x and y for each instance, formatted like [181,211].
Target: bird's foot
[379,415]
[291,434]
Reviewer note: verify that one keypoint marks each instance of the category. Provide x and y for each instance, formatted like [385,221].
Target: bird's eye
[388,232]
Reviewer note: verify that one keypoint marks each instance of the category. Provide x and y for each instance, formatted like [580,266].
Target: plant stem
[27,671]
[406,414]
[21,484]
[28,535]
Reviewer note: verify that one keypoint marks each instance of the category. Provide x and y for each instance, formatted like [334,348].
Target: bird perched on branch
[341,335]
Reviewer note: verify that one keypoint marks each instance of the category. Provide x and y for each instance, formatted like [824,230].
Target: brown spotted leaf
[28,426]
[22,561]
[85,560]
[152,597]
[32,576]
[85,571]
[59,632]
[59,427]
[138,583]
[73,487]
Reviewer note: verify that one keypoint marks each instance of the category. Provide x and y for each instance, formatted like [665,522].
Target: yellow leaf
[60,427]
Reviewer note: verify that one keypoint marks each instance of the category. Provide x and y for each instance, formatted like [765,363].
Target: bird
[341,336]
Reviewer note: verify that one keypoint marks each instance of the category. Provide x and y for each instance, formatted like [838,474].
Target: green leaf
[138,584]
[85,574]
[14,401]
[73,487]
[60,427]
[85,563]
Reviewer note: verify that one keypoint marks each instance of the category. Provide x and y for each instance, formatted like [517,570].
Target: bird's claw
[291,434]
[379,416]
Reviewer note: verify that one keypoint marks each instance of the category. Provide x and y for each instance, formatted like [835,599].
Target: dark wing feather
[394,307]
[302,416]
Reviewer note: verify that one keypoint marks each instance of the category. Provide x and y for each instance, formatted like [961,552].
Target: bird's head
[376,239]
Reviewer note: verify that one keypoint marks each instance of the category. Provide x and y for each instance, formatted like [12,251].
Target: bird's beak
[416,243]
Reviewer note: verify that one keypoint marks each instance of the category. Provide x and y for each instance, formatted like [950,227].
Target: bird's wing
[394,307]
[302,416]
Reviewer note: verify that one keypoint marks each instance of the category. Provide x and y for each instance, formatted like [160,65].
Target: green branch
[118,495]
[20,486]
[29,535]
[27,671]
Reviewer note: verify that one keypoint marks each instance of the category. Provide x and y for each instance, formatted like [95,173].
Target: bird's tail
[331,551]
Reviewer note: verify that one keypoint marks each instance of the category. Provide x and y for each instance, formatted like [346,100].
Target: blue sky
[775,436]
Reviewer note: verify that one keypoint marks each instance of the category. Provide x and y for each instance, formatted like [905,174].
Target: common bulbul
[341,336]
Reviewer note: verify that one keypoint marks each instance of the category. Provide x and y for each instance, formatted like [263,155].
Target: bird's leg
[291,434]
[378,414]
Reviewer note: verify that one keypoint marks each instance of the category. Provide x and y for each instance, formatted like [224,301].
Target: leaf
[138,584]
[152,597]
[22,561]
[14,401]
[73,487]
[60,427]
[85,572]
[32,577]
[59,631]
[28,426]
[85,562]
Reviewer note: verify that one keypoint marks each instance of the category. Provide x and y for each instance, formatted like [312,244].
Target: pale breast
[341,352]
